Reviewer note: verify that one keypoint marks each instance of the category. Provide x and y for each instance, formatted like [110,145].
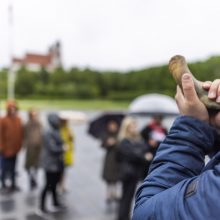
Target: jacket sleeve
[174,171]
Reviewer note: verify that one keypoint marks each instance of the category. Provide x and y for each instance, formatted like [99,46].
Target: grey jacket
[52,156]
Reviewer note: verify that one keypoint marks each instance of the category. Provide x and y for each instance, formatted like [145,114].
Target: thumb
[188,87]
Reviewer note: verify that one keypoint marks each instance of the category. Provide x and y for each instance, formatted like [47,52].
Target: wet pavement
[85,198]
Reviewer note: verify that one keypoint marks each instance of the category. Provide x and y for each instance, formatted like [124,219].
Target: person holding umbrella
[105,128]
[110,166]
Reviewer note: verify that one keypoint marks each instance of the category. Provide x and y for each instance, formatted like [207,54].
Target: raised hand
[188,101]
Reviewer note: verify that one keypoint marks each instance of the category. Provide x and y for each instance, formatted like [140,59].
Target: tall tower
[55,51]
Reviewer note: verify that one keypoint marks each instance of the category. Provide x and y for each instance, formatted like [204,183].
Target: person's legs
[29,176]
[4,165]
[0,164]
[32,173]
[114,189]
[13,172]
[108,192]
[128,190]
[52,179]
[111,191]
[61,184]
[56,180]
[45,191]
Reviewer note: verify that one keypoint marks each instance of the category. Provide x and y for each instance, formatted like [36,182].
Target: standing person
[180,185]
[68,139]
[154,133]
[33,144]
[110,167]
[0,147]
[133,157]
[52,161]
[11,143]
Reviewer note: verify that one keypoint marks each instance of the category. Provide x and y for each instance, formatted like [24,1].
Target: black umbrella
[97,127]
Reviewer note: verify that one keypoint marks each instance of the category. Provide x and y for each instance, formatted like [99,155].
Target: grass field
[72,104]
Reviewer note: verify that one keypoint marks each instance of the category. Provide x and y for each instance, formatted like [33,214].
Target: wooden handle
[177,67]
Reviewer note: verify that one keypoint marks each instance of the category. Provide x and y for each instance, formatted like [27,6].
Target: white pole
[11,73]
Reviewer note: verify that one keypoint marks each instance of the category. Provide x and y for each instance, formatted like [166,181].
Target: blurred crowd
[128,155]
[51,149]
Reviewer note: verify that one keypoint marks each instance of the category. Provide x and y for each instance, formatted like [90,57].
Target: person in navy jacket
[179,186]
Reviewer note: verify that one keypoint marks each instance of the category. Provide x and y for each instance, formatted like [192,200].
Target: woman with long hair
[133,158]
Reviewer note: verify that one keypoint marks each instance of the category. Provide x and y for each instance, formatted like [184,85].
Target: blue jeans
[8,170]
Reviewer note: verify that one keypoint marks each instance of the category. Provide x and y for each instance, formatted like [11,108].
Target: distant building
[35,62]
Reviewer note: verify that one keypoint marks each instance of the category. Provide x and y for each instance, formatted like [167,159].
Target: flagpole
[11,73]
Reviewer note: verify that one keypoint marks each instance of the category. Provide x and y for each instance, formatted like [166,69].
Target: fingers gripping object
[177,67]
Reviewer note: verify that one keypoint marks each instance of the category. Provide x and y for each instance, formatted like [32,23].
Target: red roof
[42,60]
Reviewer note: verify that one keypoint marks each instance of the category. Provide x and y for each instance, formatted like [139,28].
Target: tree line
[92,84]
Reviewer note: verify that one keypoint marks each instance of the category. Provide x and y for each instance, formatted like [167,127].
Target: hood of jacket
[54,120]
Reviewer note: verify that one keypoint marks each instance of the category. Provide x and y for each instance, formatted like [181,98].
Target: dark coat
[33,143]
[179,185]
[131,155]
[52,155]
[110,168]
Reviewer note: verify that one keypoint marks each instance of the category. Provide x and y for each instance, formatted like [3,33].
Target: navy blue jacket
[179,185]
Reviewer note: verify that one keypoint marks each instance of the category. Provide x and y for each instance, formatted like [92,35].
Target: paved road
[86,196]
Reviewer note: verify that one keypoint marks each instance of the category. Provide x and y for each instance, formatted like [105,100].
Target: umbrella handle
[177,67]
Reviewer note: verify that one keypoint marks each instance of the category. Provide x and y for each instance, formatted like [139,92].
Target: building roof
[42,60]
[30,58]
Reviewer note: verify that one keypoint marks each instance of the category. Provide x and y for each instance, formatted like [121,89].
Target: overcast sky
[113,34]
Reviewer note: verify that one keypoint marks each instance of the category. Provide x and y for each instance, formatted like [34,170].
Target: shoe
[59,208]
[43,213]
[43,210]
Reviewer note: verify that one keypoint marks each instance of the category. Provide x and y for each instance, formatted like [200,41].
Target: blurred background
[90,58]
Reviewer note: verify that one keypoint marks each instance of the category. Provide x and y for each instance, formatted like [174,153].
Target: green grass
[73,104]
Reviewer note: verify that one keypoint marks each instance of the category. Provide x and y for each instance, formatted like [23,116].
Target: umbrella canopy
[97,127]
[73,116]
[154,104]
